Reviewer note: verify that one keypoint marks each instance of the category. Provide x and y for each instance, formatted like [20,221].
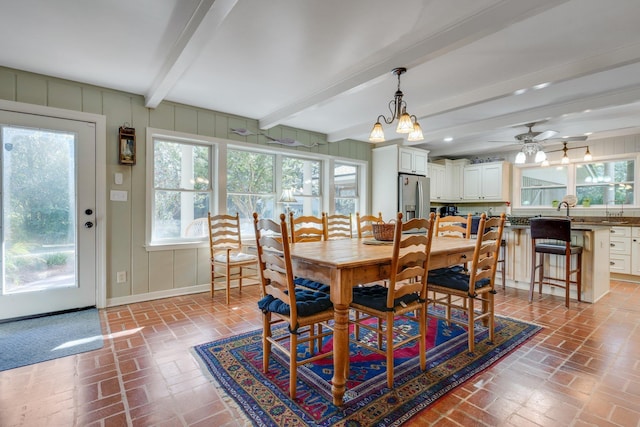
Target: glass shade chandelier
[406,123]
[530,149]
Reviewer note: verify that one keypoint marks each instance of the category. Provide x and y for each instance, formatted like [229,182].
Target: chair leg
[423,336]
[240,281]
[567,280]
[490,309]
[293,364]
[390,350]
[533,274]
[471,324]
[579,277]
[228,277]
[541,277]
[266,344]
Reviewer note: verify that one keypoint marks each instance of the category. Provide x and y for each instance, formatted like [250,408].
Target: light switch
[118,196]
[118,178]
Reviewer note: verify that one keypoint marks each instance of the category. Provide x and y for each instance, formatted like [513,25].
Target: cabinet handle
[612,245]
[612,263]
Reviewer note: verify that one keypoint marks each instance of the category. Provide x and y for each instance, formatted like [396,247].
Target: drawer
[619,245]
[620,264]
[620,231]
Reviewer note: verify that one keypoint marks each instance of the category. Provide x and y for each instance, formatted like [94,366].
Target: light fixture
[287,197]
[565,156]
[398,108]
[530,149]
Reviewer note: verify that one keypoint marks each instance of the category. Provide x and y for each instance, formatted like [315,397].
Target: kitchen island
[593,238]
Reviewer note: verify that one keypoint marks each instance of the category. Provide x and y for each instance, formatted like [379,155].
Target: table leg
[340,352]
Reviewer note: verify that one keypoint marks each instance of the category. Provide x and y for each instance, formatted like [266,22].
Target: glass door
[48,214]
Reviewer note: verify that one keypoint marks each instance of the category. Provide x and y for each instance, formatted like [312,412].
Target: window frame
[572,178]
[219,185]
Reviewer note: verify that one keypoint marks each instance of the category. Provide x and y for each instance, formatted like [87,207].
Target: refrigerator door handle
[419,213]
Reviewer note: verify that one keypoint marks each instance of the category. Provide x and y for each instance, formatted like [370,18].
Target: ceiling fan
[531,143]
[531,136]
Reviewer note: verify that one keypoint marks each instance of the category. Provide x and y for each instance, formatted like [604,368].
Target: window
[605,183]
[303,177]
[250,187]
[345,182]
[542,185]
[181,187]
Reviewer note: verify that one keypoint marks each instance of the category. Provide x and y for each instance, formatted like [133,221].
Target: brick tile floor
[583,369]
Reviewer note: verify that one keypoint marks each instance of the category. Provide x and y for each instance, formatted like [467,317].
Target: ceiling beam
[484,23]
[205,20]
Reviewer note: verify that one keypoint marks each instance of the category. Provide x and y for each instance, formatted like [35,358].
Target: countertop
[574,226]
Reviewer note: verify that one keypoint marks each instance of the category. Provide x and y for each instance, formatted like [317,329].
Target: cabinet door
[492,182]
[457,178]
[420,162]
[405,161]
[472,183]
[438,181]
[635,251]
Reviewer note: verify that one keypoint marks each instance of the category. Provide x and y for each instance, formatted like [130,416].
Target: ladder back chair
[301,309]
[364,224]
[337,226]
[227,258]
[558,229]
[306,228]
[376,308]
[458,290]
[453,226]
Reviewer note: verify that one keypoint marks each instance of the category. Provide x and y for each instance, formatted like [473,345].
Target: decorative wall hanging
[127,145]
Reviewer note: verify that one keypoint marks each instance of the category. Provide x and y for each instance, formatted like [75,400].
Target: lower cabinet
[620,250]
[595,267]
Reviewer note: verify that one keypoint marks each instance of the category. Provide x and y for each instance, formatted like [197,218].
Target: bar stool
[555,229]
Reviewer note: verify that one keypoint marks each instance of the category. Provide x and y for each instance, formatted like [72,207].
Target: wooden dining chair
[306,228]
[364,222]
[377,308]
[453,226]
[307,313]
[458,290]
[227,257]
[337,226]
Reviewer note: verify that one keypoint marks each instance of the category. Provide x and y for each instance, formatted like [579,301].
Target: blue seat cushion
[376,297]
[453,279]
[307,302]
[310,284]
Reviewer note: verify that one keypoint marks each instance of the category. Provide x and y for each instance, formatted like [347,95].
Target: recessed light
[541,86]
[519,91]
[587,110]
[588,133]
[448,139]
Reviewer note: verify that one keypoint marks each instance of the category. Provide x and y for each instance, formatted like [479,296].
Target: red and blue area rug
[236,364]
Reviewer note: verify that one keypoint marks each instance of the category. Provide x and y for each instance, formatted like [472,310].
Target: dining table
[345,263]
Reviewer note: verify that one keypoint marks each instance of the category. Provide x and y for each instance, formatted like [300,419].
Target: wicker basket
[382,231]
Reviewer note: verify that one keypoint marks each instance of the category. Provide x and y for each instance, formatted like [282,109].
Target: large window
[605,183]
[250,187]
[181,187]
[302,176]
[346,185]
[541,186]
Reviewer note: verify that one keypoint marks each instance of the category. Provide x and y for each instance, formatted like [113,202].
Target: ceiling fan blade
[571,138]
[545,135]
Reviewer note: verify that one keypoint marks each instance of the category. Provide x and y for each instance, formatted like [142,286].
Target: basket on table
[383,231]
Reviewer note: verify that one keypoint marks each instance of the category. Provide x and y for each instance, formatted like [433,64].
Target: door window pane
[303,177]
[345,181]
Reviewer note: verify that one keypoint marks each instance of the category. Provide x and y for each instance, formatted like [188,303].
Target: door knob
[88,224]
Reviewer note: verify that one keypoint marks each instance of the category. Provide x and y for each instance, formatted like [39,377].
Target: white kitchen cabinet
[438,182]
[620,250]
[455,173]
[412,160]
[635,251]
[387,162]
[486,182]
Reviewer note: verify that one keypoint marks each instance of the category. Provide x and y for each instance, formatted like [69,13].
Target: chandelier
[398,108]
[565,157]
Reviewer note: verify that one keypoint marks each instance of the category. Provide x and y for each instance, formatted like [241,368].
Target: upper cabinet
[446,180]
[486,182]
[412,160]
[438,182]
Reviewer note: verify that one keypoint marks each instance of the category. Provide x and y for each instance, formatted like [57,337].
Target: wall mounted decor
[127,145]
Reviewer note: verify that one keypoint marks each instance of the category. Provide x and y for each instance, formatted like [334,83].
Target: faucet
[566,204]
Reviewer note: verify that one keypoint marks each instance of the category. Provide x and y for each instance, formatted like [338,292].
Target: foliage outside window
[250,187]
[345,182]
[605,183]
[542,186]
[182,187]
[304,178]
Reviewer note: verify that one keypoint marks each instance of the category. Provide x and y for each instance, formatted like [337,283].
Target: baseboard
[130,299]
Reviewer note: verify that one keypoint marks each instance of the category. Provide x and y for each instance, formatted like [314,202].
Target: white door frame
[100,122]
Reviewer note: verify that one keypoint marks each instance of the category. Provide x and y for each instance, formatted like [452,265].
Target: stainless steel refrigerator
[413,196]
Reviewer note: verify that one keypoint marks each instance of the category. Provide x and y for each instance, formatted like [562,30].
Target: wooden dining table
[345,263]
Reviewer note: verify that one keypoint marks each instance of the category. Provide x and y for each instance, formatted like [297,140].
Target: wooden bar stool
[554,229]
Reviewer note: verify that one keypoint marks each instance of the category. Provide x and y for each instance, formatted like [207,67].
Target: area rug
[236,365]
[29,341]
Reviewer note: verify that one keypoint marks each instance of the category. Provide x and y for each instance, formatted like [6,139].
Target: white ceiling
[325,66]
